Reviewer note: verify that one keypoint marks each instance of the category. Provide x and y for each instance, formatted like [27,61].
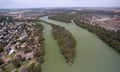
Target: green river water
[92,54]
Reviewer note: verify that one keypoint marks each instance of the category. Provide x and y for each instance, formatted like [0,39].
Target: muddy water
[92,54]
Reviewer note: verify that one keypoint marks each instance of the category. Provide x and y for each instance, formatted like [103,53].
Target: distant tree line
[8,19]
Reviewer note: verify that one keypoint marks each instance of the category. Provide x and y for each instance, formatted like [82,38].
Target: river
[92,54]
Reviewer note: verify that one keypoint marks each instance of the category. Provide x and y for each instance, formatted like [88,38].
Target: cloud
[56,3]
[44,3]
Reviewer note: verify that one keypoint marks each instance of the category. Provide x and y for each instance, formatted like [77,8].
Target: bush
[1,62]
[34,68]
[1,50]
[16,63]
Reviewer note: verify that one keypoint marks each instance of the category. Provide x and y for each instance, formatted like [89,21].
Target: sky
[58,3]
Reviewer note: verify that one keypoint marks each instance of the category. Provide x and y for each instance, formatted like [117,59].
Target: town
[20,42]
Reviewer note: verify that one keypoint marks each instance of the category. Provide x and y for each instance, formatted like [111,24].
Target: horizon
[20,4]
[59,7]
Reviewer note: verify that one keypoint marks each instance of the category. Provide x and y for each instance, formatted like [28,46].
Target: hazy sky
[58,3]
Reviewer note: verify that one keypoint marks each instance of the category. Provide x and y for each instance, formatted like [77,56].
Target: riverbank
[110,37]
[39,51]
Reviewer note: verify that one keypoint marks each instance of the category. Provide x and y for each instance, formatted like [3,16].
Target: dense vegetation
[99,12]
[39,52]
[34,68]
[8,19]
[66,42]
[110,37]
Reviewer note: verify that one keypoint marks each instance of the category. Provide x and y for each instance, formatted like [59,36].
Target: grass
[9,68]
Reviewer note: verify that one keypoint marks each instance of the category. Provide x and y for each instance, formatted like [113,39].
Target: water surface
[92,54]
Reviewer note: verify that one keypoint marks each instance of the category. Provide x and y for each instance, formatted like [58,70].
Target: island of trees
[65,41]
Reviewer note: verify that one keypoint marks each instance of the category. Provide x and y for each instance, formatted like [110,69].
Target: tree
[34,68]
[1,50]
[16,63]
[1,61]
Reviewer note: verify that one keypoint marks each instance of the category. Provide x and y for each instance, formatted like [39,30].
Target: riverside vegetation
[35,65]
[63,17]
[65,41]
[110,37]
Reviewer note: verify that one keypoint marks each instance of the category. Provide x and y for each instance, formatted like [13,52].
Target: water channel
[92,54]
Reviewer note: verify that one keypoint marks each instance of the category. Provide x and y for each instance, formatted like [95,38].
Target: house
[29,56]
[11,51]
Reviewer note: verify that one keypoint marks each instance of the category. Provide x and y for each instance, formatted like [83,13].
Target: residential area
[20,43]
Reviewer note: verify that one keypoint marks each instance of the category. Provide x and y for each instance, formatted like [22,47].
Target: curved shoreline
[65,41]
